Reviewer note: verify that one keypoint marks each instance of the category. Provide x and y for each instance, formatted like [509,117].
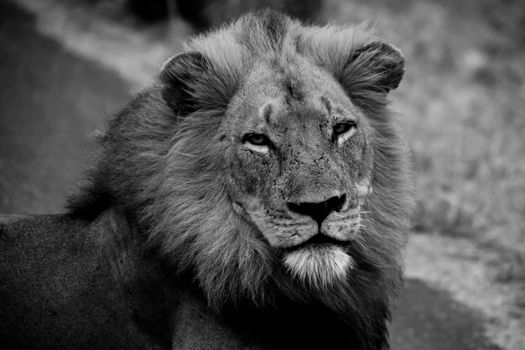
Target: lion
[256,196]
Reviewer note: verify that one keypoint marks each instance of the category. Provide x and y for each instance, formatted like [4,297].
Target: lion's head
[266,162]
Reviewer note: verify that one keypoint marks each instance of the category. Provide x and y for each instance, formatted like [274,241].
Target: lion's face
[252,162]
[300,163]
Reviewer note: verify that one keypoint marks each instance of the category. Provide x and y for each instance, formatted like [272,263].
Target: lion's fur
[164,170]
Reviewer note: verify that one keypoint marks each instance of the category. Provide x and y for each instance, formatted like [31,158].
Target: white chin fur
[319,266]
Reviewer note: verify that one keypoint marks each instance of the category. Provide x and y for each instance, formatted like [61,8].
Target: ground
[65,70]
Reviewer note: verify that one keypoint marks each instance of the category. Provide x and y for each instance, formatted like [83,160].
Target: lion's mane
[164,169]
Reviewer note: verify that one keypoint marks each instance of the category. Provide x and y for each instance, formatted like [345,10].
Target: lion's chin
[319,265]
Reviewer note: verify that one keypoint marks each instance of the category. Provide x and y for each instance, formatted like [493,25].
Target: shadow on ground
[428,318]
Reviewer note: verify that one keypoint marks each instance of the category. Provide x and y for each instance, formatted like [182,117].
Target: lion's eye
[257,139]
[341,128]
[257,142]
[341,132]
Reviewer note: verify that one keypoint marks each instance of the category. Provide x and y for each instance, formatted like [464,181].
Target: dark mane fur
[164,170]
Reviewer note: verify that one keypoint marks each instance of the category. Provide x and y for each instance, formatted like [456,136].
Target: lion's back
[54,293]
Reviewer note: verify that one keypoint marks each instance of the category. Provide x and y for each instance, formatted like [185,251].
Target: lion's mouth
[317,240]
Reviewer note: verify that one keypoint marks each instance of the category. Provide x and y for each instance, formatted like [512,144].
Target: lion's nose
[318,211]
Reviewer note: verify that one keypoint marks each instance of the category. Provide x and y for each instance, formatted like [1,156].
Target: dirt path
[429,319]
[50,103]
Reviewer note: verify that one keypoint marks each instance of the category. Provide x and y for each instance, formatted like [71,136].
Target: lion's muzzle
[319,211]
[337,218]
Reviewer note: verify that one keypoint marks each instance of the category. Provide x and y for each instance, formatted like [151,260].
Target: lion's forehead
[296,92]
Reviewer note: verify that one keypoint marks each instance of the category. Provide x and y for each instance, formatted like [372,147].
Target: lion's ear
[182,77]
[375,67]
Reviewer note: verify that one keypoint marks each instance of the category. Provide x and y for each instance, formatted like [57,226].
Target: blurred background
[67,65]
